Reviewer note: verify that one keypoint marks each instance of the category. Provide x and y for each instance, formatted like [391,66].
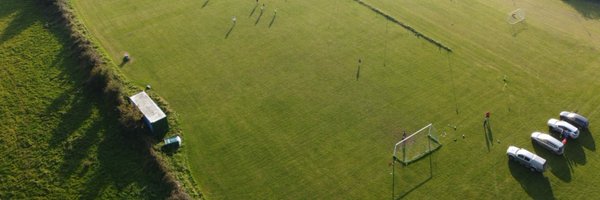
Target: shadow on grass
[259,16]
[272,20]
[126,59]
[121,166]
[118,165]
[95,149]
[586,139]
[230,30]
[558,164]
[358,73]
[79,149]
[253,10]
[205,3]
[573,151]
[534,183]
[73,110]
[21,19]
[417,186]
[518,28]
[487,131]
[575,154]
[590,9]
[420,169]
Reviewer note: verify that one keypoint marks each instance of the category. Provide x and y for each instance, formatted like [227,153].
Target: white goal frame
[401,142]
[430,150]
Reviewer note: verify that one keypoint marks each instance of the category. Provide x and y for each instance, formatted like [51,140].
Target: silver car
[574,119]
[563,127]
[548,142]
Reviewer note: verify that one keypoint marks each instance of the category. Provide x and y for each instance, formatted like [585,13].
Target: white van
[548,142]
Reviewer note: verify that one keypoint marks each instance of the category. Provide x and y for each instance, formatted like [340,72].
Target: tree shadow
[79,149]
[559,165]
[272,20]
[590,9]
[535,184]
[73,110]
[122,168]
[20,21]
[205,3]
[118,164]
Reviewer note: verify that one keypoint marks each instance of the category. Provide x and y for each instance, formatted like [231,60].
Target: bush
[98,78]
[130,117]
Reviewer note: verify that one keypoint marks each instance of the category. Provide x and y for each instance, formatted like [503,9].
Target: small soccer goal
[515,16]
[416,145]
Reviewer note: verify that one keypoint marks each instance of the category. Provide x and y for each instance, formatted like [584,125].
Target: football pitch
[285,99]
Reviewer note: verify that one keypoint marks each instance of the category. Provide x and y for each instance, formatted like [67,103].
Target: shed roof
[150,110]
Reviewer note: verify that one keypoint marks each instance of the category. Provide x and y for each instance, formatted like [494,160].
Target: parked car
[526,158]
[563,128]
[548,142]
[574,119]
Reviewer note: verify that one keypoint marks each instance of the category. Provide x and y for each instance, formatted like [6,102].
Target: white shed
[154,117]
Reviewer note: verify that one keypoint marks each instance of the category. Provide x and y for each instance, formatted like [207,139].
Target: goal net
[416,145]
[515,16]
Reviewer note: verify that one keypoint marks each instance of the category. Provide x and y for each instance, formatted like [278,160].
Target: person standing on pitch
[486,119]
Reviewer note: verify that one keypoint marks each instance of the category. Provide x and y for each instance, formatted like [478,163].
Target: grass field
[58,140]
[276,106]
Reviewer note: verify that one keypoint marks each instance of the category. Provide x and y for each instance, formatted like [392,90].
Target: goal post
[416,145]
[515,16]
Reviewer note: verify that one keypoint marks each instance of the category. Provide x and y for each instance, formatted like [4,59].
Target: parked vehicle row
[568,126]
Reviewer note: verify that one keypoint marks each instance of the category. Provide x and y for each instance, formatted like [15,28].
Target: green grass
[275,110]
[57,139]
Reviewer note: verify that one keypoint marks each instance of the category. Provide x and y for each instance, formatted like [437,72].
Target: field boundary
[405,26]
[104,76]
